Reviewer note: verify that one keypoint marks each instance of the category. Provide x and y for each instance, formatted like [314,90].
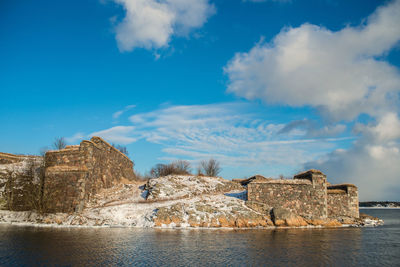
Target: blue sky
[269,87]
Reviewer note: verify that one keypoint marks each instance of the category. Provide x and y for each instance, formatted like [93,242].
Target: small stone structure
[64,179]
[307,195]
[343,201]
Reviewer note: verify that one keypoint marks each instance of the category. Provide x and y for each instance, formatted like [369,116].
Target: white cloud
[76,137]
[118,134]
[373,163]
[386,129]
[118,113]
[342,74]
[337,72]
[150,24]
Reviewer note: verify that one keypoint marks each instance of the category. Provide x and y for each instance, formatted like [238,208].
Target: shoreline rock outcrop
[178,201]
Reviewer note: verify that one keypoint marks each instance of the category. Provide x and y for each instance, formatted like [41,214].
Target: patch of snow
[242,195]
[177,186]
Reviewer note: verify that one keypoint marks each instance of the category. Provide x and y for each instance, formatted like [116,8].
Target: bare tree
[181,167]
[59,143]
[122,149]
[210,167]
[160,170]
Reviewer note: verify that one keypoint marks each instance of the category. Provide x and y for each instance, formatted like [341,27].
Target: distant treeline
[379,204]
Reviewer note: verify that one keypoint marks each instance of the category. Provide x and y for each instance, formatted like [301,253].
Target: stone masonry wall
[64,180]
[306,195]
[343,201]
[109,165]
[65,176]
[74,174]
[20,181]
[64,190]
[319,198]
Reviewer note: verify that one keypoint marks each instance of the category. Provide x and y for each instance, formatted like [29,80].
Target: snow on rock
[181,186]
[172,201]
[210,211]
[28,166]
[195,201]
[369,221]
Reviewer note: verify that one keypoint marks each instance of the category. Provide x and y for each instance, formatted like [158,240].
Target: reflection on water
[155,247]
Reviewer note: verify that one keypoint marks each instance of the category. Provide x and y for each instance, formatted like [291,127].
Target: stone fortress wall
[65,179]
[307,195]
[20,181]
[343,200]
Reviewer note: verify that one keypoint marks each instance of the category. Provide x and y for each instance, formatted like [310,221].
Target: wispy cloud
[117,114]
[118,134]
[312,129]
[76,137]
[229,132]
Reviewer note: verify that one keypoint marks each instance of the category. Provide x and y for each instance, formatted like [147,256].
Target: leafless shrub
[34,196]
[182,166]
[160,170]
[59,143]
[176,167]
[210,167]
[122,149]
[199,171]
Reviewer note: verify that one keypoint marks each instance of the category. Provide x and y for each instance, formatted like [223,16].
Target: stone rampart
[64,157]
[76,173]
[305,195]
[6,158]
[343,201]
[64,179]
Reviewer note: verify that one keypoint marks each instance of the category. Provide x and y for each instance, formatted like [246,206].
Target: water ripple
[30,246]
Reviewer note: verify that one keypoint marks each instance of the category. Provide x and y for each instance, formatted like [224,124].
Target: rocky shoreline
[177,202]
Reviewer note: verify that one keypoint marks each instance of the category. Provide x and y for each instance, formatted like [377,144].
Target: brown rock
[204,224]
[279,222]
[214,223]
[193,223]
[283,217]
[348,221]
[333,223]
[241,223]
[159,221]
[316,222]
[176,220]
[47,221]
[296,221]
[268,221]
[231,222]
[223,221]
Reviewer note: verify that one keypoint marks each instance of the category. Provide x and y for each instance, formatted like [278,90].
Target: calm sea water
[32,246]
